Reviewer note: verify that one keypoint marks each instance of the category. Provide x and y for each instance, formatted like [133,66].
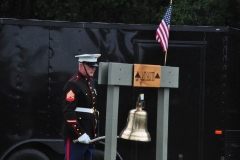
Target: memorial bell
[136,127]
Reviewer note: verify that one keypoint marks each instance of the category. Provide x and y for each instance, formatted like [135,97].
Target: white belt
[87,110]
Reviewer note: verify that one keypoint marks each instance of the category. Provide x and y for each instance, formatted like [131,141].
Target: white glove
[84,139]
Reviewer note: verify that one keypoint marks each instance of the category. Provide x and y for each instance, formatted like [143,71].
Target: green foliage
[185,12]
[205,12]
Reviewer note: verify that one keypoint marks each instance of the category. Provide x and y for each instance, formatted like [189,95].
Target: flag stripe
[162,33]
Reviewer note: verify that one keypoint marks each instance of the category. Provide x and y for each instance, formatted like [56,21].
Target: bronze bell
[136,127]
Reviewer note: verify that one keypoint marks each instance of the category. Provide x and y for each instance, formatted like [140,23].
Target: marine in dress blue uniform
[79,110]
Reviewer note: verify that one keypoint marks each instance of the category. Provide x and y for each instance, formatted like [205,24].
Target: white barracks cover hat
[89,59]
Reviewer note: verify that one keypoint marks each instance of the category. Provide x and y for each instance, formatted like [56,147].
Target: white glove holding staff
[84,139]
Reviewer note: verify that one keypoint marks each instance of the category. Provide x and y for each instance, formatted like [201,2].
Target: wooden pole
[165,61]
[162,124]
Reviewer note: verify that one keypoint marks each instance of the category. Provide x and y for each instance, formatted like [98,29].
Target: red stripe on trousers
[68,150]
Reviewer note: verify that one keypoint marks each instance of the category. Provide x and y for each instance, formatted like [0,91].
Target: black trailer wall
[37,58]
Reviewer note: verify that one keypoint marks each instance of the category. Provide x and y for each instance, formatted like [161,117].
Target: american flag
[162,32]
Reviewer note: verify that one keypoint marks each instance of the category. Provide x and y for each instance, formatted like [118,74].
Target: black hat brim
[91,64]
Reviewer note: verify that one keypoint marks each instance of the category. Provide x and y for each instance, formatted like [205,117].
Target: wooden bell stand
[120,74]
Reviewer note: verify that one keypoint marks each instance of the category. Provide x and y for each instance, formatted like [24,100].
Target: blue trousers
[78,151]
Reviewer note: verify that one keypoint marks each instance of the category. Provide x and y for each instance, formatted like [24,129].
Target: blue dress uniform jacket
[79,91]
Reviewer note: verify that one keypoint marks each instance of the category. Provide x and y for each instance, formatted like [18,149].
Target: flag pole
[165,61]
[165,58]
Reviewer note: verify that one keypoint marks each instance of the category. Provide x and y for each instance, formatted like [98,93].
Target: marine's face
[90,70]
